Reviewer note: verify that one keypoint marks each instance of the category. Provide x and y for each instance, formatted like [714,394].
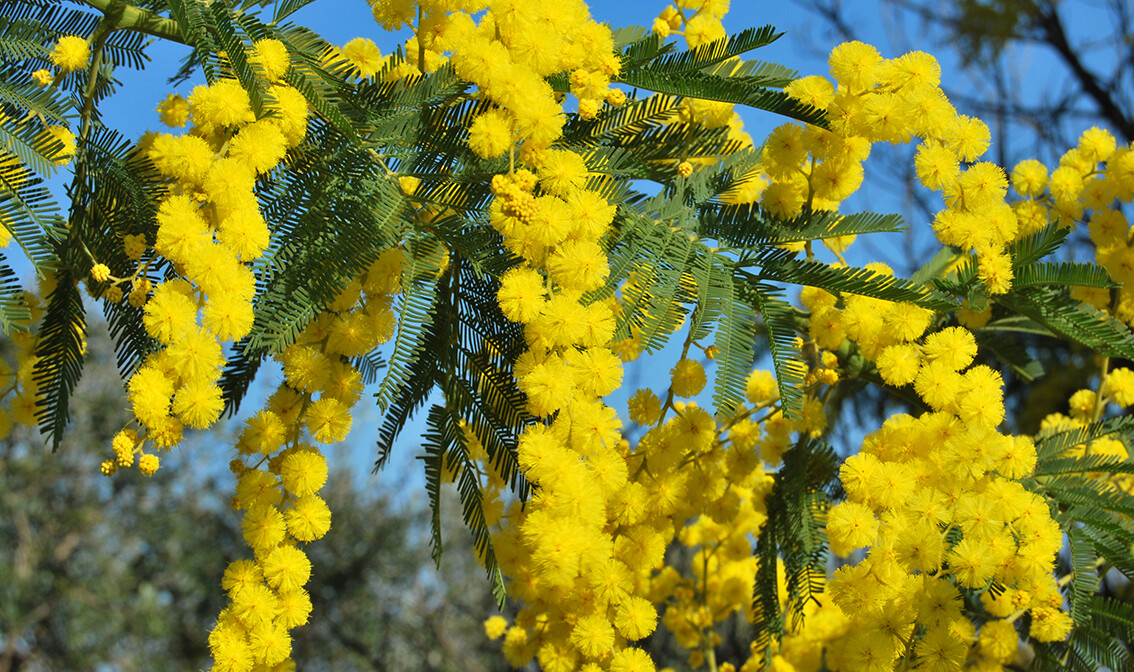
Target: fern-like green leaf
[15,314]
[746,226]
[415,308]
[1030,249]
[860,281]
[735,341]
[1107,464]
[793,535]
[285,8]
[29,212]
[60,356]
[1062,273]
[1051,445]
[1085,575]
[1072,320]
[704,57]
[736,90]
[779,321]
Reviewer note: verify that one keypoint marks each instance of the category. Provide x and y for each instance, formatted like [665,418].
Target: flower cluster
[279,473]
[1091,183]
[894,100]
[211,230]
[937,501]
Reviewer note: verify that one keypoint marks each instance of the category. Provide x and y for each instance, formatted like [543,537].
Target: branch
[138,19]
[1049,22]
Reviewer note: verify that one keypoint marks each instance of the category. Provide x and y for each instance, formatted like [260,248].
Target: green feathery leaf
[779,321]
[1072,320]
[793,535]
[748,91]
[60,356]
[1062,273]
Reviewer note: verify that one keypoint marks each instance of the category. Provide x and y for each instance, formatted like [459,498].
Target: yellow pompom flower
[239,575]
[813,90]
[100,272]
[687,378]
[228,317]
[969,138]
[906,321]
[173,111]
[495,626]
[149,391]
[263,527]
[632,660]
[220,105]
[270,643]
[260,145]
[941,649]
[1119,386]
[936,165]
[995,270]
[286,568]
[229,647]
[593,636]
[762,387]
[597,371]
[123,445]
[938,385]
[328,420]
[490,134]
[303,472]
[71,53]
[183,157]
[195,355]
[898,364]
[198,403]
[1018,459]
[562,172]
[255,487]
[855,65]
[272,56]
[579,265]
[364,55]
[289,108]
[635,618]
[851,525]
[308,519]
[148,464]
[955,347]
[305,368]
[42,78]
[294,607]
[644,407]
[999,641]
[970,563]
[254,605]
[1029,178]
[182,230]
[134,245]
[521,295]
[1097,144]
[1083,404]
